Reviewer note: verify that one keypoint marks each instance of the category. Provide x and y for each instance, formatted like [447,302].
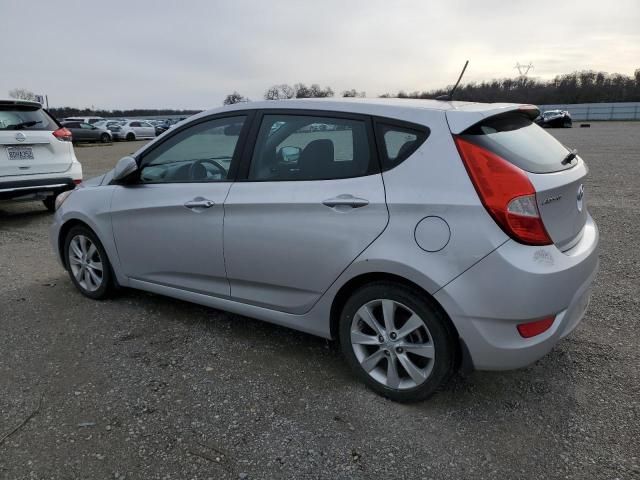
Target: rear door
[27,144]
[309,202]
[557,179]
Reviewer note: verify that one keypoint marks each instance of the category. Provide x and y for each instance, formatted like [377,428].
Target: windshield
[18,117]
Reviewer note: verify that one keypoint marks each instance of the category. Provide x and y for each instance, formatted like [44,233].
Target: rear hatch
[27,143]
[556,178]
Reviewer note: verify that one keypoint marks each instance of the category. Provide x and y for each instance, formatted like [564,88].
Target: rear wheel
[105,138]
[130,137]
[396,341]
[87,262]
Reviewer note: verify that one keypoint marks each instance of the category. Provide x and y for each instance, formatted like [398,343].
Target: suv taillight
[506,193]
[63,134]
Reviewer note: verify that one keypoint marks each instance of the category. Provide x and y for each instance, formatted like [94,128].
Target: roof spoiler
[466,116]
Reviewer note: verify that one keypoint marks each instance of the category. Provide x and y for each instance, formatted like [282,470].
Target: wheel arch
[62,235]
[353,284]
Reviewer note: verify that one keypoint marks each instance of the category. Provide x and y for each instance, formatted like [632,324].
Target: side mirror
[125,167]
[289,154]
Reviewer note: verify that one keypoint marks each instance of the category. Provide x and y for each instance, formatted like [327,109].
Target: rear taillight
[63,134]
[531,329]
[506,193]
[77,181]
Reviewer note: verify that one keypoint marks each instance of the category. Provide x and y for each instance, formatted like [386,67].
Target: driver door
[168,224]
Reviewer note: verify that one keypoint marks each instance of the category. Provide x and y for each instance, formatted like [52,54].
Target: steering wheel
[197,168]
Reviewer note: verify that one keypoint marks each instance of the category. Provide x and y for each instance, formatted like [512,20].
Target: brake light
[63,134]
[531,329]
[77,181]
[506,193]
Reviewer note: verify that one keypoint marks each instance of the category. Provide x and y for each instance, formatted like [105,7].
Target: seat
[317,160]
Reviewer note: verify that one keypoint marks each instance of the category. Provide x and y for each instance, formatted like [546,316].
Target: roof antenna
[448,97]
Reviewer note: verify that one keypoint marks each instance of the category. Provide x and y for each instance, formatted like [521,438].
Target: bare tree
[22,94]
[280,92]
[353,93]
[234,97]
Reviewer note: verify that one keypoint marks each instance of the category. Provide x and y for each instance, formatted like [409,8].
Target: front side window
[201,153]
[300,147]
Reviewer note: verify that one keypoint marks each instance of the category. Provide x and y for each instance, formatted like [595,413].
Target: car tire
[50,203]
[105,138]
[130,137]
[89,268]
[414,374]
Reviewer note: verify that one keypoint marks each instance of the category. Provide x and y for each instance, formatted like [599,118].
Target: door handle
[346,200]
[199,203]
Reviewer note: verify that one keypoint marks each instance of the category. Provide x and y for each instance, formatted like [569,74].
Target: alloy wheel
[392,344]
[85,263]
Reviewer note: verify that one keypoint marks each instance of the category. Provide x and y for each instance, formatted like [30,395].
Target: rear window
[24,117]
[517,139]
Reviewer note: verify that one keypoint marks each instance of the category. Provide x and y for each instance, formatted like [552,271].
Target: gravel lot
[147,387]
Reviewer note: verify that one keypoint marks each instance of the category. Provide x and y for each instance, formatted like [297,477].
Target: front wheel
[87,262]
[130,137]
[105,138]
[397,341]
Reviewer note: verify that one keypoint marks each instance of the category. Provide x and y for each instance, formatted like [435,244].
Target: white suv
[37,161]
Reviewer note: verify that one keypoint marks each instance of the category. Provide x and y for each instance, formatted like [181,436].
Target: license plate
[20,153]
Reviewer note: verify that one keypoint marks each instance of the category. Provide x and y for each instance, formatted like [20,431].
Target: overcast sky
[191,53]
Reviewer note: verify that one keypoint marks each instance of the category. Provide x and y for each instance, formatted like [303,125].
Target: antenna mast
[449,96]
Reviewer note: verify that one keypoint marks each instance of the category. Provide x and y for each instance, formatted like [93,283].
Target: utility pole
[523,70]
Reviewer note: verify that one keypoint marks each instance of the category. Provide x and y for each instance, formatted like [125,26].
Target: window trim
[245,162]
[237,153]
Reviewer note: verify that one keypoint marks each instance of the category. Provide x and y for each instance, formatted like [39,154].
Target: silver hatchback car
[426,236]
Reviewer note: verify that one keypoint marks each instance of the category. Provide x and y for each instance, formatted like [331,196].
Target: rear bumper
[14,189]
[517,284]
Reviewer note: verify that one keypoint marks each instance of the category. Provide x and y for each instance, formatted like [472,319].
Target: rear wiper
[570,156]
[20,126]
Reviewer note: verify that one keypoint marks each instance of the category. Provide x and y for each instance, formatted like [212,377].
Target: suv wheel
[50,203]
[87,262]
[396,341]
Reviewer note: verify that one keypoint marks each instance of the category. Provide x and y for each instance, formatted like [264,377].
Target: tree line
[586,86]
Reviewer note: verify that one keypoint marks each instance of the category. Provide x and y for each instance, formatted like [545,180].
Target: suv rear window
[516,138]
[25,117]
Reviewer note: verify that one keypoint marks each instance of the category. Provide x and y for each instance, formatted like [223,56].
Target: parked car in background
[160,126]
[85,132]
[554,119]
[421,234]
[89,120]
[108,124]
[134,130]
[37,161]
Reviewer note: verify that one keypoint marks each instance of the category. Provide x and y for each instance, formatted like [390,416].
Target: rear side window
[398,142]
[518,140]
[19,117]
[301,147]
